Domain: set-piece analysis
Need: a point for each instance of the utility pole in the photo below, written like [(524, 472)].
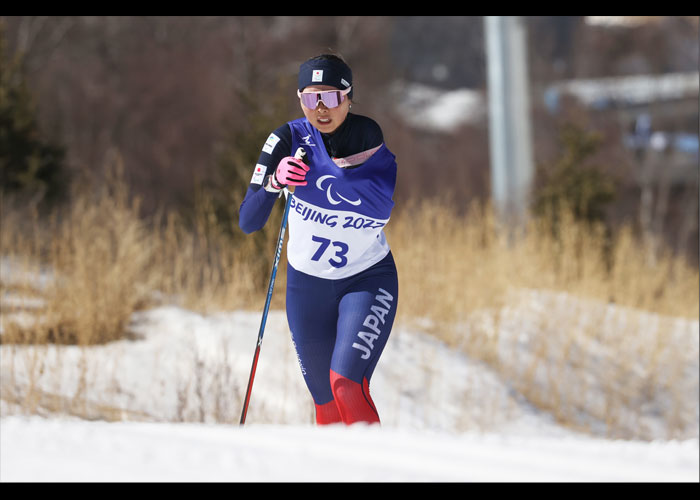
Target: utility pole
[(510, 137)]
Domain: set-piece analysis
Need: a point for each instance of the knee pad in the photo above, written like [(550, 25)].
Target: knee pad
[(353, 400)]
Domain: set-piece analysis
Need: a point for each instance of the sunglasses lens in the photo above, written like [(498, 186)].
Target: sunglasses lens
[(331, 99), (309, 100)]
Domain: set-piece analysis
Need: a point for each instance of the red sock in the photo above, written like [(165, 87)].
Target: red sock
[(353, 400), (327, 414)]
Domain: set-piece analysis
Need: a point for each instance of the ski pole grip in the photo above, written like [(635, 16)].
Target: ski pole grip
[(299, 155)]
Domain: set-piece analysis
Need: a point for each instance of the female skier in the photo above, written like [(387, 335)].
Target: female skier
[(342, 285)]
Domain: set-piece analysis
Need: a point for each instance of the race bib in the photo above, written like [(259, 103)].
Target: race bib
[(333, 244)]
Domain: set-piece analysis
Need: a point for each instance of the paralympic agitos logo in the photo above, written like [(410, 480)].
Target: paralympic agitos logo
[(331, 195)]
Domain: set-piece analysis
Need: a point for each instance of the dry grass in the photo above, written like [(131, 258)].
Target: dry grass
[(202, 268), (539, 309), (462, 277), (450, 266), (92, 266), (95, 260)]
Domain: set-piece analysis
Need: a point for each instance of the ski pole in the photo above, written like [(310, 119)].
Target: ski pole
[(300, 154)]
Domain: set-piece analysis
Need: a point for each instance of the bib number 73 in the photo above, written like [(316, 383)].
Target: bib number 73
[(339, 259)]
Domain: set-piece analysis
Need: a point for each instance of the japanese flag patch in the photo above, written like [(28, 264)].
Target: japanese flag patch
[(258, 174), (317, 75)]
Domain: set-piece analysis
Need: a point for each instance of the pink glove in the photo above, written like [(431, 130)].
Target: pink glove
[(290, 172)]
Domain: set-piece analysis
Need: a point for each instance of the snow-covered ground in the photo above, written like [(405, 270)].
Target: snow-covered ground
[(165, 407), (71, 450)]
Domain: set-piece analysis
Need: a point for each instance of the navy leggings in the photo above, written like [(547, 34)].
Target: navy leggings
[(340, 327)]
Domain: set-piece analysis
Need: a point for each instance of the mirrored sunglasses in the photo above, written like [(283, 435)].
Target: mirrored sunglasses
[(330, 98)]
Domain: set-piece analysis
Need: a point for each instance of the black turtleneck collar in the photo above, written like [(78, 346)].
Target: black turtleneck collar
[(337, 142)]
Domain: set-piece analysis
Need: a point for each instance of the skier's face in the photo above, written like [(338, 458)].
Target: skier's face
[(325, 119)]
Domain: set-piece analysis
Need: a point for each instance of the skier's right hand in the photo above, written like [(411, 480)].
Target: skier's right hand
[(291, 172)]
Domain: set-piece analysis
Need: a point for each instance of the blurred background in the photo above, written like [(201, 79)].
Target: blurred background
[(184, 105)]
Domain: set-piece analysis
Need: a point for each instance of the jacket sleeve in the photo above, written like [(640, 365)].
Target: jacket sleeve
[(256, 208), (257, 204)]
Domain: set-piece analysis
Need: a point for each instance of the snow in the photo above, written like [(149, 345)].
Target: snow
[(164, 406), (34, 449), (433, 109)]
